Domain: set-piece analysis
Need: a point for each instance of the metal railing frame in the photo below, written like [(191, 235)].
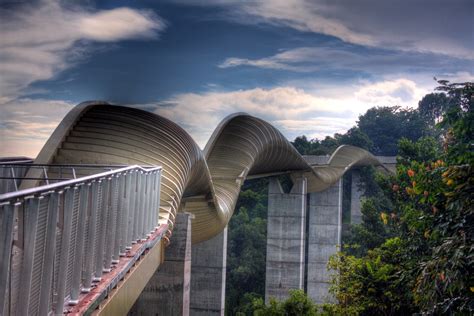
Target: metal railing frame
[(105, 213), (45, 168)]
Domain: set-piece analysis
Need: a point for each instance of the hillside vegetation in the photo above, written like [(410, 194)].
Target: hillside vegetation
[(413, 252)]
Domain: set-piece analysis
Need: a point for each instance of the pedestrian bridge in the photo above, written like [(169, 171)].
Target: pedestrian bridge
[(84, 226)]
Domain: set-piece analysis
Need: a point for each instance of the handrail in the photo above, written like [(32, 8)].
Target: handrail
[(55, 186), (17, 162), (69, 165), (5, 160), (67, 235)]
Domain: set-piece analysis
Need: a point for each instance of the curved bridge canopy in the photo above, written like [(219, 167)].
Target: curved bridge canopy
[(205, 182)]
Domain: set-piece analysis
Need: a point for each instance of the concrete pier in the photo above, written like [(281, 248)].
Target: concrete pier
[(208, 276), (356, 195), (167, 292), (324, 237), (285, 239)]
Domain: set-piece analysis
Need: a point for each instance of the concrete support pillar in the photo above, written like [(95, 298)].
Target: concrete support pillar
[(356, 196), (324, 237), (167, 292), (208, 276), (285, 239)]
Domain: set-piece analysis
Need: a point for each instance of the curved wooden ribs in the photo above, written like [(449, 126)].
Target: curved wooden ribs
[(206, 183)]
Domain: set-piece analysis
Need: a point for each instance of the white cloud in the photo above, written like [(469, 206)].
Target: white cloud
[(303, 59), (26, 124), (294, 111), (38, 41), (334, 58), (304, 16), (460, 76), (402, 25), (398, 92), (316, 127), (119, 24)]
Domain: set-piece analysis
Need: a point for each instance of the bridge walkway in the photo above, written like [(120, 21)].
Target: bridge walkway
[(85, 240)]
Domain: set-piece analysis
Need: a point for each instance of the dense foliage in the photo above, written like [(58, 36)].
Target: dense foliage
[(384, 126), (418, 256), (413, 252), (378, 131), (298, 303), (246, 248)]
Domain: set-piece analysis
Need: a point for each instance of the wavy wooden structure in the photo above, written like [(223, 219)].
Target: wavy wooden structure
[(203, 182)]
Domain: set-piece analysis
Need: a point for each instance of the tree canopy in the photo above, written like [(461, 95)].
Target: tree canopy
[(378, 130), (413, 252)]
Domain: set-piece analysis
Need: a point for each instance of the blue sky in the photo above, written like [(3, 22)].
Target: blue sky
[(308, 67)]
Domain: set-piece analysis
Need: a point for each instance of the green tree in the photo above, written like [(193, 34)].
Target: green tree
[(303, 145), (433, 106), (315, 146), (371, 285), (356, 137), (378, 130), (446, 281), (298, 304), (426, 264), (385, 126), (246, 248), (371, 233), (413, 252)]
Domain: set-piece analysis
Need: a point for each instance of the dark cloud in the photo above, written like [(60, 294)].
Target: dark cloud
[(438, 26)]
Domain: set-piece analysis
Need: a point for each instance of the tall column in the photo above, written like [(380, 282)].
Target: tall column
[(167, 292), (356, 195), (285, 239), (208, 272), (324, 237)]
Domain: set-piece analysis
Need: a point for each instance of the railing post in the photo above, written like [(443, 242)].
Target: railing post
[(136, 211), (14, 178), (111, 225), (104, 210), (127, 199), (142, 207), (157, 195), (49, 253), (6, 240), (146, 210), (119, 232), (30, 220), (67, 210), (45, 175), (92, 232), (77, 270), (153, 202), (131, 209), (140, 193)]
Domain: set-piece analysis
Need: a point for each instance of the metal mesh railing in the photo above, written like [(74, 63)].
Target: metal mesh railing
[(57, 240), (12, 173)]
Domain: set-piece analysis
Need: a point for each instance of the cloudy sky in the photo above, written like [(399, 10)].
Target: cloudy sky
[(307, 66)]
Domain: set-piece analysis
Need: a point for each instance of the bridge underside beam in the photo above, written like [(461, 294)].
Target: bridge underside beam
[(167, 292), (121, 299)]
